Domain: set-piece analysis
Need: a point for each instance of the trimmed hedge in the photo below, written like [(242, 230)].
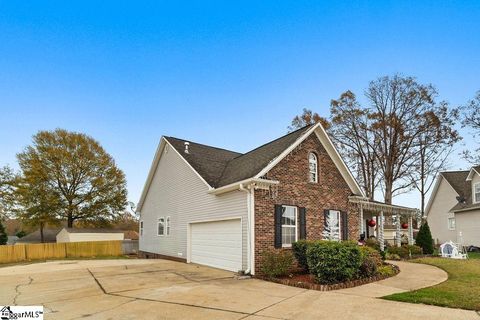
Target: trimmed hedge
[(300, 251), (332, 262)]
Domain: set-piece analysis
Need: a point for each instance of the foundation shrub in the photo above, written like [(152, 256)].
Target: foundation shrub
[(276, 263), (333, 262)]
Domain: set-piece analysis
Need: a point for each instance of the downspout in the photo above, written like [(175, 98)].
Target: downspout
[(252, 229), (249, 211)]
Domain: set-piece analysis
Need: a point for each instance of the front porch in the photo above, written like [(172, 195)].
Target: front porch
[(383, 215)]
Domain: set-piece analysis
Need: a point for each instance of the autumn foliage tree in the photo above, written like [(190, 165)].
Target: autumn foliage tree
[(306, 118), (80, 178), (7, 179)]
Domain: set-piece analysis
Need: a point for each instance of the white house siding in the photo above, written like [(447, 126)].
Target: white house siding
[(468, 223), (65, 236), (438, 215), (78, 237), (178, 192)]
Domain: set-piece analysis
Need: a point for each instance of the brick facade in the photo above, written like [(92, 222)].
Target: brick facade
[(331, 192)]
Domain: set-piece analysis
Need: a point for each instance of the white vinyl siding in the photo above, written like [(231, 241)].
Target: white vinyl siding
[(65, 236), (177, 190), (439, 212)]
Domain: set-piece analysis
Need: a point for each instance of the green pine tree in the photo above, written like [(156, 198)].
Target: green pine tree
[(3, 234), (424, 239)]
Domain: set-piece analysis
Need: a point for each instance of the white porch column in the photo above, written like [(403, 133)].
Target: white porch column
[(361, 220), (398, 235), (381, 239), (410, 230)]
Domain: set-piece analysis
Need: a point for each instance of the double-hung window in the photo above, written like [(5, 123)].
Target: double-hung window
[(451, 223), (161, 226), (476, 190), (289, 225)]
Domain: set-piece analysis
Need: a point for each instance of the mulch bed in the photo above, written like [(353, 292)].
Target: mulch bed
[(306, 281)]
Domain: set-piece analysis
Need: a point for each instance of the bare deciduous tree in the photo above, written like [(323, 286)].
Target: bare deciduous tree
[(435, 144), (470, 115), (352, 135)]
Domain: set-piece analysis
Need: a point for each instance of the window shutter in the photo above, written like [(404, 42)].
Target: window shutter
[(303, 223), (278, 226), (344, 225)]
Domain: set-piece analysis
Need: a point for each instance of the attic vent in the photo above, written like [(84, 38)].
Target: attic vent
[(186, 146)]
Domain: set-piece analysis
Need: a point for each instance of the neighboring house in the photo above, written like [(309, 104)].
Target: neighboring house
[(224, 209), (49, 235), (130, 235), (12, 239), (453, 210), (80, 235)]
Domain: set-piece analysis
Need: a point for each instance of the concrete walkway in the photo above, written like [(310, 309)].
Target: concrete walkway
[(160, 289)]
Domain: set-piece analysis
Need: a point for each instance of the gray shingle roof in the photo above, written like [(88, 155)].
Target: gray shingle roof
[(49, 235), (220, 167), (457, 179)]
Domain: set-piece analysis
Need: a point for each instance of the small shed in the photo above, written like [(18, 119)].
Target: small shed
[(80, 235)]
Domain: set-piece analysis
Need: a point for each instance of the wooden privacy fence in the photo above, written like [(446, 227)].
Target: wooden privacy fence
[(41, 251)]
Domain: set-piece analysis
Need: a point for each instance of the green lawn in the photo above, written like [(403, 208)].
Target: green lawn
[(461, 290)]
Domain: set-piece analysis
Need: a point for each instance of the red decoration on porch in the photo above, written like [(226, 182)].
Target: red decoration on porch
[(371, 223), (404, 225)]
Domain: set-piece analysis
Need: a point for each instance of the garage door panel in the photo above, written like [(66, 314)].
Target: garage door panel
[(217, 244)]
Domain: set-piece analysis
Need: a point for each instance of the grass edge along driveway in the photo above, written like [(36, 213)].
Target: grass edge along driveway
[(461, 290)]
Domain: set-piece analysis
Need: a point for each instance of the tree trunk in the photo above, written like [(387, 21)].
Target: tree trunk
[(70, 221), (42, 239), (388, 191)]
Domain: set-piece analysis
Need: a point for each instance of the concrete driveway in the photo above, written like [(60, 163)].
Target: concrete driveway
[(161, 289)]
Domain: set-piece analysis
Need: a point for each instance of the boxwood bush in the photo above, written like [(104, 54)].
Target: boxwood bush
[(332, 262), (300, 251)]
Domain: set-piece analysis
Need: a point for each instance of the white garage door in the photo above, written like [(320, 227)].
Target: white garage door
[(217, 244)]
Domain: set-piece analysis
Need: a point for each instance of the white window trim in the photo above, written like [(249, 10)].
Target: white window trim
[(454, 223), (475, 200), (286, 245), (158, 222), (167, 226), (316, 168), (141, 227)]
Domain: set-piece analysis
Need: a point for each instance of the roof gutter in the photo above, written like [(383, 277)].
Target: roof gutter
[(236, 185)]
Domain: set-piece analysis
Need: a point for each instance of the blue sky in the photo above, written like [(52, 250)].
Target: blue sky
[(230, 74)]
